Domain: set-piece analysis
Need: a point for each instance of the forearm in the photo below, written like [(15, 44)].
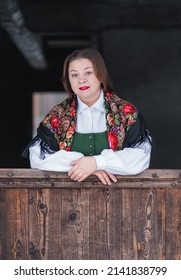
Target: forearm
[(129, 161), (59, 161)]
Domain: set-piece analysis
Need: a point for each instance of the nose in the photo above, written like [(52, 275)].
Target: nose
[(82, 80)]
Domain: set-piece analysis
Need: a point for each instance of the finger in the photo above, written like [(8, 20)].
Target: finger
[(106, 178), (113, 177), (72, 170), (76, 176), (101, 178), (74, 162), (79, 177), (83, 177), (73, 173)]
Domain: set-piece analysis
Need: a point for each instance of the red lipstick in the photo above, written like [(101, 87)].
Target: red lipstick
[(84, 88)]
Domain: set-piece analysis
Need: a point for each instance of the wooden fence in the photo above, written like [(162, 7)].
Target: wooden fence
[(45, 215)]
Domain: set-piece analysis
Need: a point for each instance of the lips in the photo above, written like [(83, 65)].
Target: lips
[(84, 88)]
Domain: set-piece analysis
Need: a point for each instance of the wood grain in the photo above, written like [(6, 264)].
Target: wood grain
[(45, 215)]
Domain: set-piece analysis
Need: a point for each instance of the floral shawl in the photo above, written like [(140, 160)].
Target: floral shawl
[(125, 126)]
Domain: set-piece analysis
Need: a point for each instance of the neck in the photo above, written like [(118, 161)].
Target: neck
[(89, 102)]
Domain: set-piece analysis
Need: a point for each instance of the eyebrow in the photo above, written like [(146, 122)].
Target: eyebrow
[(84, 69)]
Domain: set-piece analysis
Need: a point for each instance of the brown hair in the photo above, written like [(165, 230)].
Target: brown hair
[(99, 67)]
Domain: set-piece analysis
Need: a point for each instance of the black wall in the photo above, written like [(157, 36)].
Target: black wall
[(16, 85), (145, 64)]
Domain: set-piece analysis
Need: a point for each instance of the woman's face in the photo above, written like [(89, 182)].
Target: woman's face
[(83, 80)]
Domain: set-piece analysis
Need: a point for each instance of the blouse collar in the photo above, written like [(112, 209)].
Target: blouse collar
[(99, 104)]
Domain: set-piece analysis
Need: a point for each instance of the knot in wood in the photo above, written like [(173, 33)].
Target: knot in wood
[(34, 252), (10, 174), (174, 184), (75, 215), (18, 250), (139, 247), (31, 200), (179, 229), (154, 175), (43, 208)]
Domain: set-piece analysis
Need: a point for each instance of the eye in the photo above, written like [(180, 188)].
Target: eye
[(74, 75), (88, 73)]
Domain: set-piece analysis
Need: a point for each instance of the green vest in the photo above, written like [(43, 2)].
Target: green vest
[(90, 144)]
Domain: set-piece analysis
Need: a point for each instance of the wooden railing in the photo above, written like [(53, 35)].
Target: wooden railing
[(45, 215)]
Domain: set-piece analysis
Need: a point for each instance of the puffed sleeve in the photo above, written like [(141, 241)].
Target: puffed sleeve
[(135, 156)]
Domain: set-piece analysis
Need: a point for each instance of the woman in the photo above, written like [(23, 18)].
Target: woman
[(93, 131)]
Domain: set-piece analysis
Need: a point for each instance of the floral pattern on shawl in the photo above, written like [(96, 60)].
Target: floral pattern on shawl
[(120, 116)]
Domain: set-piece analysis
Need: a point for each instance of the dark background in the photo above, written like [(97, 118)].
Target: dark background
[(139, 40)]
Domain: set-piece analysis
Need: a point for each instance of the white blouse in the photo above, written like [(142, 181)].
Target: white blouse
[(129, 161)]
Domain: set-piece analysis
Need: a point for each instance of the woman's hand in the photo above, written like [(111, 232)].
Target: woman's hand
[(85, 166), (82, 168), (105, 177)]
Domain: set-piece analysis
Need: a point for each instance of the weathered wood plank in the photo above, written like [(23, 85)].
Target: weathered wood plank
[(173, 224), (11, 178), (38, 223), (23, 226), (158, 226), (11, 223), (54, 236), (25, 173), (3, 221), (142, 221), (14, 224), (127, 225), (114, 223), (75, 224), (98, 231)]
